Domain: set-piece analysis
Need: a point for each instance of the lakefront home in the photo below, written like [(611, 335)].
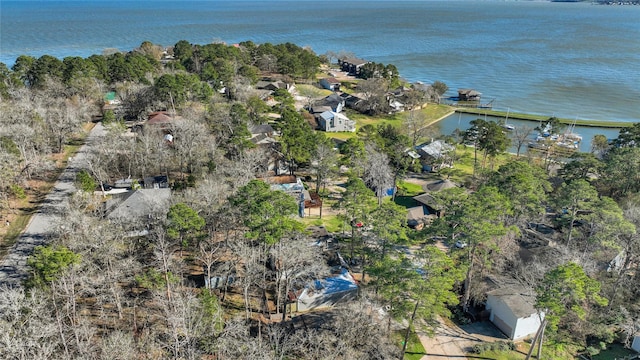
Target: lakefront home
[(351, 65)]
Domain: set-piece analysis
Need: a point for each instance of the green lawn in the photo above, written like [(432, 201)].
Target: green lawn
[(409, 189), (415, 350), (432, 113), (613, 351), (500, 355), (302, 88), (531, 117), (522, 348), (330, 222)]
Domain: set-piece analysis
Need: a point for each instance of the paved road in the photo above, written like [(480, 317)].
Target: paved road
[(13, 267)]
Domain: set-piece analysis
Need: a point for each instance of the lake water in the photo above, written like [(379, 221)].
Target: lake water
[(461, 121), (563, 59)]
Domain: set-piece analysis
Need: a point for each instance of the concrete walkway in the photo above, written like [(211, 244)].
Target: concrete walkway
[(13, 267), (453, 342)]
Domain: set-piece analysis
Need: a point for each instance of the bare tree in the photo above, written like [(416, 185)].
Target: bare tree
[(415, 126), (374, 92), (209, 254), (377, 173), (118, 345), (295, 261), (520, 136), (27, 327)]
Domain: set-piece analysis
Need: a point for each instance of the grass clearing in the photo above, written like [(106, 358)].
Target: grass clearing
[(549, 351), (613, 351), (331, 222), (414, 350), (532, 117), (432, 113), (409, 189)]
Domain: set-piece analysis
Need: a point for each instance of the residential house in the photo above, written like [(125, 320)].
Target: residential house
[(160, 118), (468, 95), (351, 101), (135, 205), (351, 66), (333, 102), (292, 186), (156, 182), (440, 185), (395, 105), (262, 134), (636, 343), (274, 85), (435, 155), (330, 83), (331, 121), (419, 216), (430, 204), (325, 292), (512, 311)]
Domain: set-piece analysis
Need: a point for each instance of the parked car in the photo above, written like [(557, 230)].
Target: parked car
[(461, 244)]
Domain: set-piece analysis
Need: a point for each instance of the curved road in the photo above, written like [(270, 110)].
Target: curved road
[(13, 267)]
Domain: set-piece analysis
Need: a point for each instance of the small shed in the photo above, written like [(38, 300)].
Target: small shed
[(512, 311)]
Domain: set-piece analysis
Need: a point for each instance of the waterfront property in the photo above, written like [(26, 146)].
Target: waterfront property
[(351, 66), (468, 95)]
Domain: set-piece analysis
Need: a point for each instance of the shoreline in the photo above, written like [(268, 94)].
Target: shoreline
[(538, 118)]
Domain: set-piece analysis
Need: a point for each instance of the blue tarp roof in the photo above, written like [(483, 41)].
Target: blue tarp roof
[(336, 284)]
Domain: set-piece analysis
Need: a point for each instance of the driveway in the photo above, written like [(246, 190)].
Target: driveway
[(13, 267), (454, 342)]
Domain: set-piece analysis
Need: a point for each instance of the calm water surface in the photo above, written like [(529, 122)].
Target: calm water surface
[(564, 59)]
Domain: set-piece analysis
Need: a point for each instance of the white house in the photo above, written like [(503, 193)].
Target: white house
[(636, 343), (330, 84), (331, 121), (512, 311)]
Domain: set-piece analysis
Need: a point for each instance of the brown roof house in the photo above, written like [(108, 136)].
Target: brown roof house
[(512, 311)]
